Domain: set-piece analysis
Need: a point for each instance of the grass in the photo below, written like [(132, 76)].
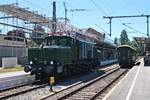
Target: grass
[(13, 69)]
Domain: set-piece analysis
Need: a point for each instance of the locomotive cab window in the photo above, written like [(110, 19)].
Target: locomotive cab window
[(64, 42), (53, 41)]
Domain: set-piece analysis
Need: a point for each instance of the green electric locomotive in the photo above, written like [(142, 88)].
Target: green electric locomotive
[(126, 56), (61, 56)]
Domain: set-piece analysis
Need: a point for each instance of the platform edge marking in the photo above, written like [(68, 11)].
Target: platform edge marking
[(133, 83)]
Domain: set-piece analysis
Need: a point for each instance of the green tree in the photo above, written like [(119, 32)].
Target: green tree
[(135, 45), (124, 40), (116, 41)]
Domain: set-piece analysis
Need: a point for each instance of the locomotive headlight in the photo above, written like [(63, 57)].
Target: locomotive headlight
[(51, 62), (31, 62)]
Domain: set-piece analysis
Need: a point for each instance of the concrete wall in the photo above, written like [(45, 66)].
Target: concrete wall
[(9, 62)]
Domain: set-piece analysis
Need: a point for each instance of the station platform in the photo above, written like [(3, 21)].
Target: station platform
[(11, 74), (134, 86), (11, 79)]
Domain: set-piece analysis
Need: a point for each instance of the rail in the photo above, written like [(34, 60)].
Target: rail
[(79, 87)]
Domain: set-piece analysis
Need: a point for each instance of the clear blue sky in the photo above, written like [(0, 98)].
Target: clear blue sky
[(93, 17)]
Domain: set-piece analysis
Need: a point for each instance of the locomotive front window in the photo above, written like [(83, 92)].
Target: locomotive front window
[(63, 42), (58, 42), (53, 42)]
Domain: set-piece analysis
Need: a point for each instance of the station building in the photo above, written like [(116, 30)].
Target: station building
[(13, 49), (144, 44)]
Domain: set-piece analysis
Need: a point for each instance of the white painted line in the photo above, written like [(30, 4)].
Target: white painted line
[(130, 91)]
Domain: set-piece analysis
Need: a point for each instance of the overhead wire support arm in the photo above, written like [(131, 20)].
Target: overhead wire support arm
[(72, 10), (125, 16), (130, 16)]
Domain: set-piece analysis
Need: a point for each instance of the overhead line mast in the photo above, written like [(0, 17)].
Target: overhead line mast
[(54, 17), (111, 17)]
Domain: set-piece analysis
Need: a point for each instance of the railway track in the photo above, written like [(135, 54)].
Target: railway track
[(17, 86), (83, 90), (40, 91), (93, 89), (7, 93)]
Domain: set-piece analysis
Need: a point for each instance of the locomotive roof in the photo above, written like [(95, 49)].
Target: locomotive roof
[(66, 36), (125, 46)]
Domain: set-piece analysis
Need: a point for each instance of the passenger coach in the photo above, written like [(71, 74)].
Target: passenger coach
[(126, 56)]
